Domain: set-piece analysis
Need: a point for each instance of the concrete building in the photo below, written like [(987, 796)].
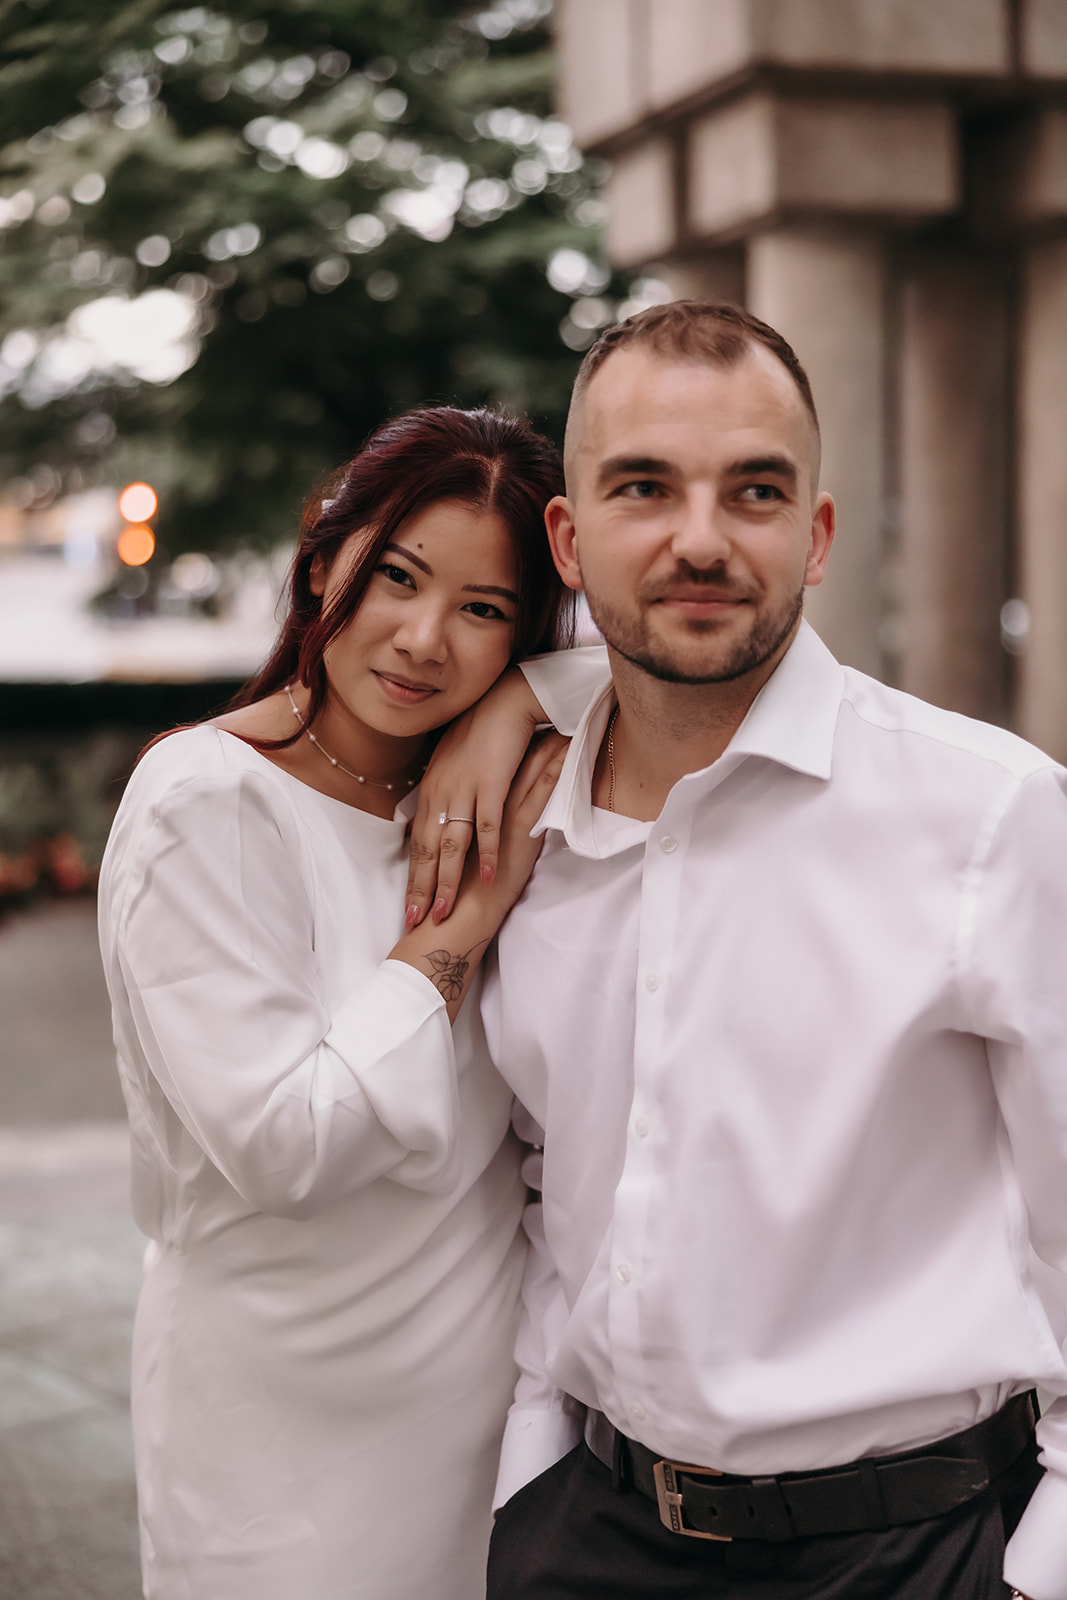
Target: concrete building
[(886, 182)]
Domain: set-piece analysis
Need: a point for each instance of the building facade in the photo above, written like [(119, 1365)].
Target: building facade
[(886, 182)]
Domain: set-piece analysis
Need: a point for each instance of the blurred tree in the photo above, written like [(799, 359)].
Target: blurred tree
[(234, 237)]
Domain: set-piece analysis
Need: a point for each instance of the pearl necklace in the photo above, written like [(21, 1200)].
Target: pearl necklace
[(375, 783)]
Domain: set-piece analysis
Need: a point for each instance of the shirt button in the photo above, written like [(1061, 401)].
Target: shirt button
[(637, 1411), (623, 1272), (668, 844), (652, 982), (641, 1127)]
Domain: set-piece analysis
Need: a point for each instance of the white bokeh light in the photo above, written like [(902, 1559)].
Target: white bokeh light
[(320, 158), (572, 272), (429, 212), (151, 338)]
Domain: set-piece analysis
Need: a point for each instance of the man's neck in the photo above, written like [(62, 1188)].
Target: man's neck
[(664, 730)]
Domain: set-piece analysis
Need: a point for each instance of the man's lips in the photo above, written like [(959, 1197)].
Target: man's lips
[(405, 690), (705, 599)]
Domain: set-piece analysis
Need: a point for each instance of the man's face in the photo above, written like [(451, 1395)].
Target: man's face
[(692, 519)]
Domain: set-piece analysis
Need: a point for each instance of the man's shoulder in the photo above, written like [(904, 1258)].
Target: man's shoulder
[(889, 711)]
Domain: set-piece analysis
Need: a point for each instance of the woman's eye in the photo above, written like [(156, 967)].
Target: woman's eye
[(483, 608), (397, 574)]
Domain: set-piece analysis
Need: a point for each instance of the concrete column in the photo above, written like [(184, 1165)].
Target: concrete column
[(714, 275), (825, 293), (954, 346), (642, 225), (1042, 407)]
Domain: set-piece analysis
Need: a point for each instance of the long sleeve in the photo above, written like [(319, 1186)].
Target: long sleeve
[(543, 1422), (209, 938), (1013, 965), (566, 681)]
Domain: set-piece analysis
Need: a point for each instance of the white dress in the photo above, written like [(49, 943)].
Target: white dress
[(323, 1346)]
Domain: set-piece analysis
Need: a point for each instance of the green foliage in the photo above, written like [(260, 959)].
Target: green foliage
[(358, 198)]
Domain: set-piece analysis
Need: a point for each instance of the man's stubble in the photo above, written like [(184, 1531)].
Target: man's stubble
[(631, 638)]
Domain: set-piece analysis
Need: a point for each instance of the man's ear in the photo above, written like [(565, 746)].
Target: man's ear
[(563, 540), (823, 527)]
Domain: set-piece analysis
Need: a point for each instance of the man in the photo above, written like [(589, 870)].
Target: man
[(786, 997)]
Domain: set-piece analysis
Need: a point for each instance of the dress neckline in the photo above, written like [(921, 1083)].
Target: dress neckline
[(402, 815)]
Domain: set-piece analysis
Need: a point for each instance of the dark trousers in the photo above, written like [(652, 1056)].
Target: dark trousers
[(569, 1535)]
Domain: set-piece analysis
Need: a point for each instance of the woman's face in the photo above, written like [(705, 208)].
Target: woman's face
[(434, 629)]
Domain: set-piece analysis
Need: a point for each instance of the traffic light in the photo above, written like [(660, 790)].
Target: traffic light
[(137, 542)]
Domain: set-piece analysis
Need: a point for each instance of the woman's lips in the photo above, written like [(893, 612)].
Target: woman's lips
[(403, 692)]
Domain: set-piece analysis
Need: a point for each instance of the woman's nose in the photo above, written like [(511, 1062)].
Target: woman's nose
[(421, 633)]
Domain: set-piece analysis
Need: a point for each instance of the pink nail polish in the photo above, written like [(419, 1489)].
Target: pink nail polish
[(439, 909), (488, 874), (411, 917)]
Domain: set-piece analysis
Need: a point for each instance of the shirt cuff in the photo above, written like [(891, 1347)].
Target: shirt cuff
[(1035, 1561), (566, 682), (533, 1442), (394, 1035)]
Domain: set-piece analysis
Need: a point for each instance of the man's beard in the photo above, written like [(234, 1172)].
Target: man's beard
[(630, 639)]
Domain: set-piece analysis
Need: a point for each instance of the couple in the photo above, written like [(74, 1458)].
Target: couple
[(782, 1002)]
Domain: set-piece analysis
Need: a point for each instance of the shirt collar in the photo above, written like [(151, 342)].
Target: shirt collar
[(793, 718), (791, 721)]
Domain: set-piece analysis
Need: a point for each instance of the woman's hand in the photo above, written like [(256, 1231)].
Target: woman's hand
[(468, 779), (530, 792), (449, 955)]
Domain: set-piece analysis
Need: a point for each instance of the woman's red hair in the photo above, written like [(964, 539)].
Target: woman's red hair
[(482, 459)]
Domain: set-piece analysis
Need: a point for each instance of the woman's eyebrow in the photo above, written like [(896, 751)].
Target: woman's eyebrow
[(490, 588), (468, 588), (416, 561)]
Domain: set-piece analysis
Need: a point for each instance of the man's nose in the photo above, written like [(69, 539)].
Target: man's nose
[(700, 533)]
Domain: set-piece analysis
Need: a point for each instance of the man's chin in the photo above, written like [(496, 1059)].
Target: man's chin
[(707, 653)]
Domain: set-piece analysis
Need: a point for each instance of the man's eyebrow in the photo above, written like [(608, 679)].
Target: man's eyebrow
[(634, 466), (764, 466)]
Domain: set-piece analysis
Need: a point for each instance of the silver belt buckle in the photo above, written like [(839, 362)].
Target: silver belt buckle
[(669, 1496)]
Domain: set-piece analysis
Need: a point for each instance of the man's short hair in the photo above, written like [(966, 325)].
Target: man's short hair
[(710, 331)]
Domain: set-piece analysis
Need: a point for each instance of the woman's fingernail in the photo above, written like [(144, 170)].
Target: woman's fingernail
[(439, 909), (411, 917), (488, 873)]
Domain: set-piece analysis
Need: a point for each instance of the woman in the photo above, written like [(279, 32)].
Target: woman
[(322, 1352)]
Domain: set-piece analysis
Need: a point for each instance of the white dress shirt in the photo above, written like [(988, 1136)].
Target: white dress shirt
[(798, 1049)]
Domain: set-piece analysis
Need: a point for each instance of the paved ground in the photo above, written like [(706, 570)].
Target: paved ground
[(57, 1063), (69, 1269)]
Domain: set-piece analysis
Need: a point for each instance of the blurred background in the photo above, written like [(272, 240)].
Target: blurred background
[(234, 237)]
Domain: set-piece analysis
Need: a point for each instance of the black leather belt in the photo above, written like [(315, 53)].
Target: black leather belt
[(877, 1492)]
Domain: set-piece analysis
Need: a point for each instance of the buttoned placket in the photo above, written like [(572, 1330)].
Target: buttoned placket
[(661, 917)]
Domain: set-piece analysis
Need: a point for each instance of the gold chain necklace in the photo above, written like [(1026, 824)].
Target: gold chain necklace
[(375, 783), (611, 758)]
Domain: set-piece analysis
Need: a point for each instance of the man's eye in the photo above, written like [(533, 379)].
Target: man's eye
[(642, 489), (762, 492)]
